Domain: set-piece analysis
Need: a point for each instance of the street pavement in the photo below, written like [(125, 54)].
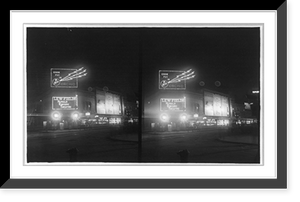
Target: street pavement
[(205, 146), (240, 138), (107, 145)]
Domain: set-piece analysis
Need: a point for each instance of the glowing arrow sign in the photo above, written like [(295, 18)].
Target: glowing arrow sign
[(171, 79), (66, 78)]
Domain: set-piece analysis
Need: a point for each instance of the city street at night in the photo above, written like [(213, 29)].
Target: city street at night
[(143, 94), (110, 145)]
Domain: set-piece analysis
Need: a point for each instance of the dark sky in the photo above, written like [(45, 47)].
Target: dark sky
[(228, 55), (113, 56), (109, 55)]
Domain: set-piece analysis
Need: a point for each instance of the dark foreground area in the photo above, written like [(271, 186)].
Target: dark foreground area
[(112, 145)]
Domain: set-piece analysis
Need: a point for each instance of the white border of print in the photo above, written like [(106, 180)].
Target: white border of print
[(266, 170)]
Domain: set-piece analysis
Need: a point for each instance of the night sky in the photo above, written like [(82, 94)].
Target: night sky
[(228, 55), (114, 56)]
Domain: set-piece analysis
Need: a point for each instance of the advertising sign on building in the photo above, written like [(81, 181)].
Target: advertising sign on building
[(167, 80), (209, 103), (215, 104), (225, 106), (57, 78), (101, 103), (116, 105), (172, 104), (108, 103), (64, 103), (65, 78), (174, 79)]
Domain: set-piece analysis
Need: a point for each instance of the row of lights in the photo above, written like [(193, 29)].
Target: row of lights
[(165, 117), (183, 117), (56, 115)]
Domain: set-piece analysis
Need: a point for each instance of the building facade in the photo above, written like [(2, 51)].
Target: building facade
[(74, 108), (181, 109)]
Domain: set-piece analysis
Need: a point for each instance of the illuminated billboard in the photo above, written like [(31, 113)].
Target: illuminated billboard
[(66, 78), (172, 104), (108, 103), (225, 106), (64, 103), (166, 77), (209, 103), (215, 104), (174, 79)]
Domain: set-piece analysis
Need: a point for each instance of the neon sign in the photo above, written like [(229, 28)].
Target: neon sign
[(64, 103), (172, 104), (171, 79), (66, 78)]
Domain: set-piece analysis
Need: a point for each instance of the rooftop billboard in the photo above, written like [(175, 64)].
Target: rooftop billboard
[(167, 80), (66, 78)]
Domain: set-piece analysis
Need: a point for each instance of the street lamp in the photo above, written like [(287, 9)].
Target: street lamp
[(75, 115), (183, 117), (164, 117), (56, 115)]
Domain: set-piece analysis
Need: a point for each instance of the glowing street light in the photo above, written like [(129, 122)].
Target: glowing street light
[(183, 117), (56, 115), (75, 115), (164, 117)]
